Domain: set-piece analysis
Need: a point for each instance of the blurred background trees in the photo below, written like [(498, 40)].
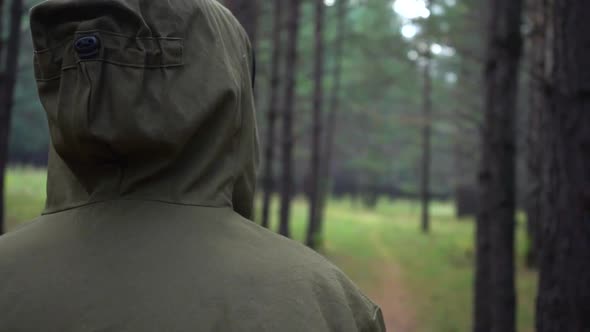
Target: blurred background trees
[(9, 68), (477, 104)]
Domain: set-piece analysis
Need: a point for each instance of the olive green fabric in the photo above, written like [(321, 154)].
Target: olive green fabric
[(151, 181)]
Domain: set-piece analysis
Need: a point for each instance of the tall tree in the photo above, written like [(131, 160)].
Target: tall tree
[(4, 126), (246, 11), (287, 179), (426, 127), (536, 60), (331, 119), (495, 296), (563, 302), (316, 144), (273, 104), (7, 83), (465, 37), (426, 140)]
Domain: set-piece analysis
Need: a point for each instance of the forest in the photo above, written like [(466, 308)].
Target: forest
[(438, 151)]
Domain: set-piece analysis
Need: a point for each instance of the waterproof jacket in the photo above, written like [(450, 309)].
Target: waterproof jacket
[(151, 182)]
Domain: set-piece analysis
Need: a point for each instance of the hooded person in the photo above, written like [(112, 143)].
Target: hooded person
[(150, 186)]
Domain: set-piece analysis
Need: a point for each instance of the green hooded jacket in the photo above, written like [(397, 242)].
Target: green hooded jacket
[(150, 186)]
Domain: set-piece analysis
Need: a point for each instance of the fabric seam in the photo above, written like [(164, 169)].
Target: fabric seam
[(69, 40), (114, 63), (132, 200)]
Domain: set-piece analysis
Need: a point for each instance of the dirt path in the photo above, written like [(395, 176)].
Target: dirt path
[(394, 300), (391, 295)]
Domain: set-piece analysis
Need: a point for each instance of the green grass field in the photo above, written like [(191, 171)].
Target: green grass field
[(434, 271)]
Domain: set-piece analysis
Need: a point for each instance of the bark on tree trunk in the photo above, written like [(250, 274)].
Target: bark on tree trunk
[(1, 27), (287, 180), (563, 302), (534, 159), (314, 194), (495, 290), (482, 314), (272, 112), (7, 84), (4, 128), (331, 120), (426, 129)]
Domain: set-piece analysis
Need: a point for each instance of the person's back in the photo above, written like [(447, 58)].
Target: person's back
[(150, 184)]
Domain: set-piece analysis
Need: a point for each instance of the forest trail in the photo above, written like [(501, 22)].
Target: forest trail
[(394, 300), (391, 294)]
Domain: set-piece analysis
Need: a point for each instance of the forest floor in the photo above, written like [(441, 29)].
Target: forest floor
[(423, 283), (394, 299)]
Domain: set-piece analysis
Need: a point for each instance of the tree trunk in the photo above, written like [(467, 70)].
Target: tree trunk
[(331, 120), (469, 113), (275, 81), (426, 130), (316, 146), (466, 201), (495, 290), (563, 302), (482, 314), (534, 159), (426, 144), (4, 127), (7, 84), (1, 29), (287, 181), (246, 11)]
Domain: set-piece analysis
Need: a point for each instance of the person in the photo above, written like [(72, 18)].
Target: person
[(151, 183)]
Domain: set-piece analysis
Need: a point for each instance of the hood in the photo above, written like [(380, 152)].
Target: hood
[(146, 100)]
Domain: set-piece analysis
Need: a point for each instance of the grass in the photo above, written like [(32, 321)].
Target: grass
[(436, 269), (25, 194)]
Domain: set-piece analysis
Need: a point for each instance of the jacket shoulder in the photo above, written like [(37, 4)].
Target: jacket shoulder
[(306, 272)]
